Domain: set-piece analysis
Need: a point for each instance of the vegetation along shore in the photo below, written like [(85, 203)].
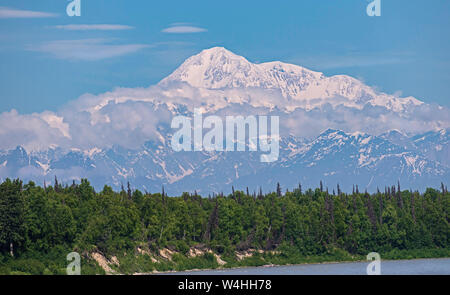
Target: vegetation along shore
[(132, 232)]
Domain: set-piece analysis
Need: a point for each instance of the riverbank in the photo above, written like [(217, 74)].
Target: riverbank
[(427, 266), (166, 261), (269, 260)]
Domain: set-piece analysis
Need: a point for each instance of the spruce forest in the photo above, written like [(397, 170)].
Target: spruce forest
[(136, 232)]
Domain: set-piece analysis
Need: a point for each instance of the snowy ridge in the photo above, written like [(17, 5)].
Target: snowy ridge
[(219, 69), (334, 157)]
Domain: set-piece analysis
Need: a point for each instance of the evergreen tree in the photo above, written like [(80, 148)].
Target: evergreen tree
[(278, 190), (11, 214)]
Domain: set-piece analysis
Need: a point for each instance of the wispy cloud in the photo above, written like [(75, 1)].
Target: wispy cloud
[(6, 12), (87, 49), (96, 27), (349, 60), (183, 28)]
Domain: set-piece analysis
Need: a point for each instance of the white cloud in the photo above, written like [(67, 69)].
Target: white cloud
[(129, 117), (183, 29), (6, 12), (374, 120), (56, 122), (31, 131), (97, 27), (87, 49), (353, 59)]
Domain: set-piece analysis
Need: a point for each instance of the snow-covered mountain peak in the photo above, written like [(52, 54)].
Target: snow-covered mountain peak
[(212, 68), (394, 133), (220, 69), (332, 133), (339, 137)]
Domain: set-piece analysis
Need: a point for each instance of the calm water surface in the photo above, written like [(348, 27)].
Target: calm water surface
[(439, 266)]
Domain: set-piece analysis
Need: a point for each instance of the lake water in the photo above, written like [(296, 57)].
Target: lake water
[(439, 266)]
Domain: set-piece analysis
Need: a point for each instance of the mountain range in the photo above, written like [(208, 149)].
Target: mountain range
[(333, 129)]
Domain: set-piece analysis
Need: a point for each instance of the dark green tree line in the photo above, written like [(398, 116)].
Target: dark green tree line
[(312, 222)]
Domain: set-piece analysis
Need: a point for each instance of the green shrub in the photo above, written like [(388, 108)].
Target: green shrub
[(29, 266)]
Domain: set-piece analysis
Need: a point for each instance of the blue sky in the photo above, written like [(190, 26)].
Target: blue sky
[(48, 58)]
